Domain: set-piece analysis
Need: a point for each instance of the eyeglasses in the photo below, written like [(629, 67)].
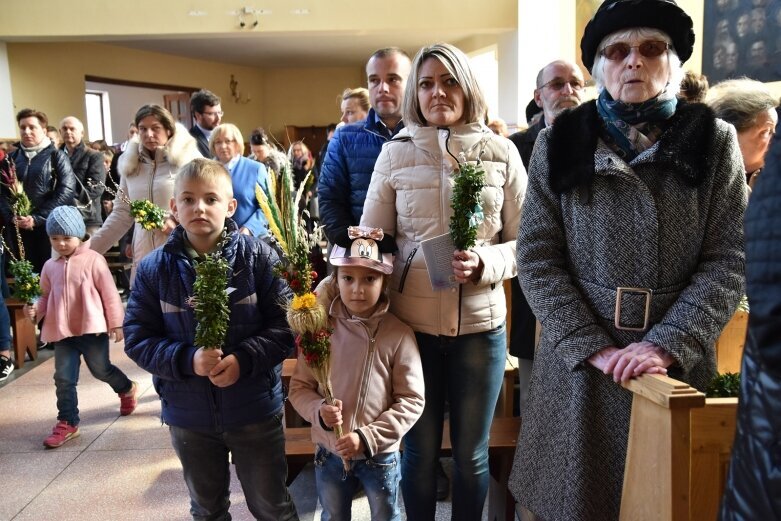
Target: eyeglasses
[(558, 84), (212, 113), (649, 49)]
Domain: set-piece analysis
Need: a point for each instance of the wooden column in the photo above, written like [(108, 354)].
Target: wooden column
[(656, 476)]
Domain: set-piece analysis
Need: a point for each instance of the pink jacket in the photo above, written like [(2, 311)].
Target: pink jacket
[(78, 295), (375, 371)]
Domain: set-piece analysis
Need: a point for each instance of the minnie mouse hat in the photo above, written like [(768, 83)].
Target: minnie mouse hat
[(364, 251)]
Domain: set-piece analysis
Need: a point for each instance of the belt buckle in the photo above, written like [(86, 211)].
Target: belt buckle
[(643, 291)]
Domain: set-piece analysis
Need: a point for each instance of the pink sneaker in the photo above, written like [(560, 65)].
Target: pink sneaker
[(127, 401), (61, 433)]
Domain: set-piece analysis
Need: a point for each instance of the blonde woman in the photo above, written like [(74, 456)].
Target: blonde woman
[(226, 144)]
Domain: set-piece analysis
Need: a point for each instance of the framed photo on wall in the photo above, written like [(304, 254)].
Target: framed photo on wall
[(742, 38)]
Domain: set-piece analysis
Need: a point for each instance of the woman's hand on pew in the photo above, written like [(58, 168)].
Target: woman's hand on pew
[(636, 359)]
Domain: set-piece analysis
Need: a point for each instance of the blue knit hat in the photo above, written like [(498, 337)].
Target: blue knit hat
[(66, 220)]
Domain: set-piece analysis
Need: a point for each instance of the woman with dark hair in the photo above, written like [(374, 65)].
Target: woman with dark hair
[(460, 331), (263, 151), (46, 177), (147, 170), (631, 255)]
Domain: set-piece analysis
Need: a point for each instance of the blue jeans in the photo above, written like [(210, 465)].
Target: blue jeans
[(466, 371), (258, 452), (67, 362), (378, 475)]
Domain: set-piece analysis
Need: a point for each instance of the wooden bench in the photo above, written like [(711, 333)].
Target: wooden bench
[(501, 449), (678, 453), (23, 332)]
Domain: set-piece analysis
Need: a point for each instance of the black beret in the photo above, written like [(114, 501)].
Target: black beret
[(614, 15)]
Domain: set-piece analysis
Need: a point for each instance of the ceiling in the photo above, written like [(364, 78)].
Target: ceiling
[(290, 49)]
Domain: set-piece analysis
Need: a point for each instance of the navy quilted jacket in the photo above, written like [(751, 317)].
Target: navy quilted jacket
[(160, 330), (753, 489), (345, 175)]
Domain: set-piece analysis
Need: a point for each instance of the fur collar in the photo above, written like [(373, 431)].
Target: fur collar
[(684, 148), (180, 150)]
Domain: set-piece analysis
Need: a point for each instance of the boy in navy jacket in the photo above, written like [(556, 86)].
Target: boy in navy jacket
[(227, 399)]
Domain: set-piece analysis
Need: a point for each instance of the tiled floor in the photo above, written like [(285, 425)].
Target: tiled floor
[(119, 468)]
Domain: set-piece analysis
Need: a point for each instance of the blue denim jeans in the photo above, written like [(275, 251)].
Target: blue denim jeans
[(466, 371), (67, 362), (336, 488), (5, 324), (258, 452)]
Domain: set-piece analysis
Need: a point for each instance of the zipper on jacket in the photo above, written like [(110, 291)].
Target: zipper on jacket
[(361, 405), (407, 265), (65, 279)]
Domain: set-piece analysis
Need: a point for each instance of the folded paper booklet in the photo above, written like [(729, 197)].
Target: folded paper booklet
[(438, 253)]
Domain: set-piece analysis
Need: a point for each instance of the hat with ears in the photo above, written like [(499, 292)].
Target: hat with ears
[(615, 15), (67, 221), (364, 250)]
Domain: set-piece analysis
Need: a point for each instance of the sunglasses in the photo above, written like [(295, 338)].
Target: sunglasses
[(649, 49), (558, 84)]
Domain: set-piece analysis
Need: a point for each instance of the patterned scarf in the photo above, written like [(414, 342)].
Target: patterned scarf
[(634, 127)]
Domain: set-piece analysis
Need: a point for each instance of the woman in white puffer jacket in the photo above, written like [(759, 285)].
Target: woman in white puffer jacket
[(147, 170), (460, 332)]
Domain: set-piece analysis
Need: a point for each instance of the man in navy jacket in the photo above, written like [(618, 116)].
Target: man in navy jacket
[(352, 152)]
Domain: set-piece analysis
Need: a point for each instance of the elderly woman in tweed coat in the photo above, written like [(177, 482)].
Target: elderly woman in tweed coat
[(635, 202)]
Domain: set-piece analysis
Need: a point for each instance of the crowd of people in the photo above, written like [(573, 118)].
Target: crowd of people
[(618, 221)]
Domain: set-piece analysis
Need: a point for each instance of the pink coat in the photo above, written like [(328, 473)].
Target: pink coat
[(78, 295)]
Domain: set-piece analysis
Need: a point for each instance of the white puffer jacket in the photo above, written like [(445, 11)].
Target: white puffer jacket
[(409, 198), (144, 177)]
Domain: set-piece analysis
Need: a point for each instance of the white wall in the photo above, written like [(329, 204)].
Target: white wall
[(124, 102), (8, 128)]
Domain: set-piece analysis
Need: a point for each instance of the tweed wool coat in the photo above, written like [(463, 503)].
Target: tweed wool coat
[(669, 221)]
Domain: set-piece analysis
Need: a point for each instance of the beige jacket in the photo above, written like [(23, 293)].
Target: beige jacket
[(409, 198), (144, 177), (375, 372)]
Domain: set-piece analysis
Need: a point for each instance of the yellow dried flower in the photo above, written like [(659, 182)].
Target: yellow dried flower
[(306, 301)]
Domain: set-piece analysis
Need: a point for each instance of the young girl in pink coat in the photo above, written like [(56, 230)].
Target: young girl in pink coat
[(81, 305)]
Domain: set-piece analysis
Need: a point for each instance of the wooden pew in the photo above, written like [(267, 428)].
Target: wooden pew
[(299, 451), (23, 332), (501, 448), (678, 452)]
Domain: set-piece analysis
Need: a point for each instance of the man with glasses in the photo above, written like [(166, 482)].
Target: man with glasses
[(206, 109), (559, 86)]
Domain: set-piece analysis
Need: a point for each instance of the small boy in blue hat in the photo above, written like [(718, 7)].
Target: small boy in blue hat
[(83, 307)]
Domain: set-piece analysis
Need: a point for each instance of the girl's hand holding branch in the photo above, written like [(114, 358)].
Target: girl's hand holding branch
[(349, 446), (331, 414)]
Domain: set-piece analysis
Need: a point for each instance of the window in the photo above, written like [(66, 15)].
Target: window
[(98, 116), (486, 69)]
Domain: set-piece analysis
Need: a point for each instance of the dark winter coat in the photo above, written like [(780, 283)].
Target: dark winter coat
[(160, 333), (90, 179), (525, 140), (753, 489), (202, 140), (346, 173), (669, 221), (47, 179)]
